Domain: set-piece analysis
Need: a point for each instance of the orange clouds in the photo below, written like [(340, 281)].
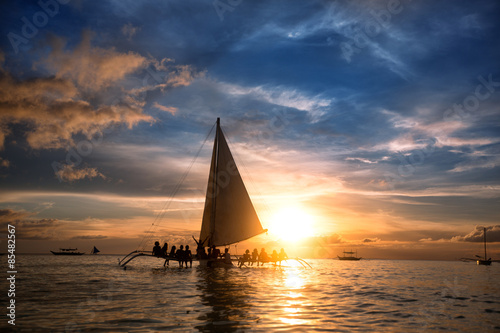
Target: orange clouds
[(91, 68), (69, 173), (181, 76), (54, 112), (89, 90), (85, 95)]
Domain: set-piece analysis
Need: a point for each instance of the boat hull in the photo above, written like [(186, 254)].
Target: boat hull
[(484, 262), (349, 258), (67, 253), (218, 263)]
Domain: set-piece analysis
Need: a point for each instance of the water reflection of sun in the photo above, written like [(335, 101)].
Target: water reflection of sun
[(294, 302), (293, 280)]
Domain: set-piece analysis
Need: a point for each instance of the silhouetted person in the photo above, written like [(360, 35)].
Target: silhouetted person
[(173, 250), (227, 257), (215, 252), (188, 257), (245, 258), (164, 254), (200, 248), (274, 256), (200, 253), (164, 250), (263, 257), (255, 257), (180, 255), (282, 255), (157, 249)]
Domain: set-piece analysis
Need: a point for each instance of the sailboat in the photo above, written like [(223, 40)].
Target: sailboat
[(349, 256), (484, 261), (229, 216), (94, 251)]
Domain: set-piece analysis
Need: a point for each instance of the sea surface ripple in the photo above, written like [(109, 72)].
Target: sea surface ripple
[(93, 294)]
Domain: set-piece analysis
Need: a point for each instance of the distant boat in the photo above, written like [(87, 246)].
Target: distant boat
[(349, 256), (67, 252), (484, 261), (94, 251)]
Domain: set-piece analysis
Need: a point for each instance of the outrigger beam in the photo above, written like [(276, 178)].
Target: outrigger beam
[(134, 254), (130, 257)]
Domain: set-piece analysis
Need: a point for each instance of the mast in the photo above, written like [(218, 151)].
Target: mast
[(214, 190), (484, 236)]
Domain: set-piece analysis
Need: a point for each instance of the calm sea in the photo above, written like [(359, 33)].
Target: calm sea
[(91, 293)]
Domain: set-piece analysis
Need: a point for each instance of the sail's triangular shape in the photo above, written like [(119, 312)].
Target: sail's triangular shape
[(207, 226), (95, 250), (229, 216)]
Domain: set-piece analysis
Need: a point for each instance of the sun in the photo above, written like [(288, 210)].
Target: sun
[(291, 224)]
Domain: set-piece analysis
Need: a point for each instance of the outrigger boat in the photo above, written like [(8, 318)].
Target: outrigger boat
[(67, 252), (229, 216), (350, 256)]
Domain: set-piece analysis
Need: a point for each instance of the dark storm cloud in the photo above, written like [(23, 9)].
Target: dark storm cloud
[(27, 227), (11, 216)]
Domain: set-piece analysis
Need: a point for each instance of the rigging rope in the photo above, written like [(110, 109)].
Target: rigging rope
[(150, 233)]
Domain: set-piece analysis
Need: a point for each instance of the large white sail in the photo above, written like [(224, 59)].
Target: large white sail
[(229, 216)]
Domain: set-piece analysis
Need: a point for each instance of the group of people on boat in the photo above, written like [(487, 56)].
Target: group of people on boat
[(262, 257), (183, 255), (214, 254)]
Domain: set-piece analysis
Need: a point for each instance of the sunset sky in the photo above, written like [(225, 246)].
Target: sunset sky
[(366, 125)]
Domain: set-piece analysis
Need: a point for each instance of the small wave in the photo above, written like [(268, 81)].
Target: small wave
[(365, 305), (129, 321)]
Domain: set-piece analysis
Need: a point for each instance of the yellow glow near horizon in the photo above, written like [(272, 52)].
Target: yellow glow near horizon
[(291, 224)]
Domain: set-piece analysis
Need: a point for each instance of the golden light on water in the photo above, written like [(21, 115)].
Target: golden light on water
[(293, 280), (294, 304), (291, 224)]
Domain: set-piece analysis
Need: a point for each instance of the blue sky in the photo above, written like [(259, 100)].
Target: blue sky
[(380, 118)]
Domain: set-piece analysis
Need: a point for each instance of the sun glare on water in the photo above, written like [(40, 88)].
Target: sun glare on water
[(291, 224)]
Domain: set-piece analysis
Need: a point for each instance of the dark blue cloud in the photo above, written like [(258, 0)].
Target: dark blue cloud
[(278, 75)]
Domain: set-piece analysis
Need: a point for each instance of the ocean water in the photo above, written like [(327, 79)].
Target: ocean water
[(92, 293)]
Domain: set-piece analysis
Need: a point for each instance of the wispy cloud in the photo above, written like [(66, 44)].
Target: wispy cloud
[(69, 173), (129, 30), (316, 106), (170, 109)]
